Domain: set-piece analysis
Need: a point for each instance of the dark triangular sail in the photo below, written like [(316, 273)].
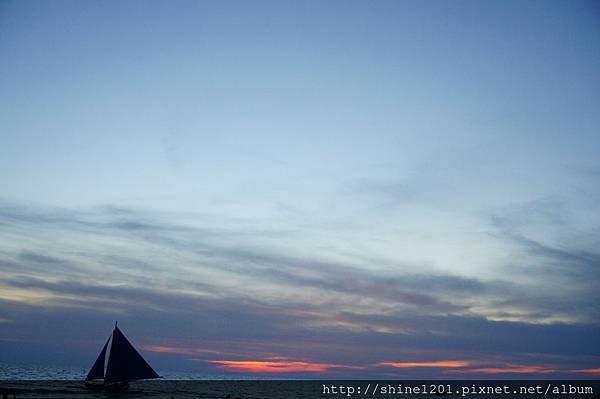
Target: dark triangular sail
[(125, 363), (97, 370)]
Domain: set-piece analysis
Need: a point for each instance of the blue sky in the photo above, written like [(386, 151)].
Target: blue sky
[(240, 181)]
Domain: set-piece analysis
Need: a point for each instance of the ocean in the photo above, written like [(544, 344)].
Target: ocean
[(42, 372), (43, 382), (164, 389), (58, 382), (284, 389)]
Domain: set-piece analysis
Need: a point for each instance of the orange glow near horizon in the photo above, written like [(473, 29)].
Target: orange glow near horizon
[(434, 364), (595, 372), (508, 369), (280, 364), (251, 366)]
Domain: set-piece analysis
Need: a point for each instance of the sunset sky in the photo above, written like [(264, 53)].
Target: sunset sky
[(324, 189)]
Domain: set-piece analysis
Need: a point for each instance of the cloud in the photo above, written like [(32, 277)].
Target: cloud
[(380, 194), (507, 370), (555, 260), (544, 230), (275, 367), (201, 290), (476, 367), (593, 372), (179, 351), (433, 364)]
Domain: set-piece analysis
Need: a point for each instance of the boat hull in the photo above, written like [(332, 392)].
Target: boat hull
[(99, 385), (117, 386), (94, 384)]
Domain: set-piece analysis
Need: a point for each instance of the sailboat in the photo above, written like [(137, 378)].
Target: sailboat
[(124, 364)]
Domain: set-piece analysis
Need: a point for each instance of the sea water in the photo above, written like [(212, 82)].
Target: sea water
[(44, 372)]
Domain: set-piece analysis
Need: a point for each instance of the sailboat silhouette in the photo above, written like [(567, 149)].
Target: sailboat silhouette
[(124, 364)]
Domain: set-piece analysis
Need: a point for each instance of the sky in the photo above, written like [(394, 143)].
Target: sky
[(339, 189)]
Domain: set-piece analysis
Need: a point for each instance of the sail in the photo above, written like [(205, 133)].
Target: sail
[(97, 370), (125, 363)]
